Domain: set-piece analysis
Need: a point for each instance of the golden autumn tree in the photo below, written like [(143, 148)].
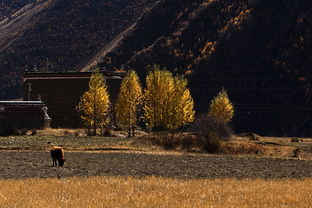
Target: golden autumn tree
[(128, 101), (94, 104), (159, 85), (222, 107), (168, 103), (182, 106)]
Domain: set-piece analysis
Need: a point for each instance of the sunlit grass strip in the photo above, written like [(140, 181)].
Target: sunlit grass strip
[(155, 192)]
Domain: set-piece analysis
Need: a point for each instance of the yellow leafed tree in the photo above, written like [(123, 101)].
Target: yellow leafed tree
[(168, 103), (94, 104), (182, 104), (128, 100), (159, 85), (222, 107)]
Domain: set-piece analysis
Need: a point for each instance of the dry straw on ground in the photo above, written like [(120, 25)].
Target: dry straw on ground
[(155, 192)]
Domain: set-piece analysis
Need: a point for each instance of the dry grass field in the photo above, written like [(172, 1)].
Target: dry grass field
[(116, 171), (155, 192)]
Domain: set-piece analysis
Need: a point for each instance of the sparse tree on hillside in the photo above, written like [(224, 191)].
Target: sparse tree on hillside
[(94, 104), (168, 103), (222, 107), (128, 100)]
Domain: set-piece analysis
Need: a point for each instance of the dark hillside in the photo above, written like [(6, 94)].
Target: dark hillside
[(259, 50), (9, 7), (62, 37)]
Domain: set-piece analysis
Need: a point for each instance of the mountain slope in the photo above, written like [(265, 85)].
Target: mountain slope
[(259, 50), (9, 7), (14, 26), (61, 36)]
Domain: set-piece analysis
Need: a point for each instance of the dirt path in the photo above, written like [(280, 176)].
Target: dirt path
[(104, 51), (38, 164), (12, 29)]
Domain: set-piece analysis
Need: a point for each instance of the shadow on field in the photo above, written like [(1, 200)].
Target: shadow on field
[(83, 164)]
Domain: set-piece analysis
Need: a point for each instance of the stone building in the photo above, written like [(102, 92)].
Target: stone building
[(16, 115)]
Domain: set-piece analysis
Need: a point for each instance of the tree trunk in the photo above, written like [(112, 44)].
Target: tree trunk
[(94, 128), (129, 132), (133, 129)]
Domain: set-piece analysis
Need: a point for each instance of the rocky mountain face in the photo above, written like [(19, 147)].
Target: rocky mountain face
[(57, 35), (260, 51)]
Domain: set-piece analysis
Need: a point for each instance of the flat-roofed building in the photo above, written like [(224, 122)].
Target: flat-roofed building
[(15, 115), (61, 93)]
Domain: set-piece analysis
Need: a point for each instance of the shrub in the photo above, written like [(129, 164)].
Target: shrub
[(170, 141), (106, 132), (295, 140), (209, 143), (297, 152), (210, 130), (13, 131), (250, 136), (242, 148), (20, 132), (67, 132), (187, 141), (77, 133), (167, 141), (207, 125)]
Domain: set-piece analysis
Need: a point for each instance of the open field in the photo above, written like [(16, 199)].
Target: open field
[(122, 172), (29, 157), (26, 164), (155, 192)]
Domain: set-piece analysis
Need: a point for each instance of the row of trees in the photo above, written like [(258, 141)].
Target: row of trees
[(165, 103)]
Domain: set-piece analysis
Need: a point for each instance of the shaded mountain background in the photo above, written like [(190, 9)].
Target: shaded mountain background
[(57, 35), (9, 7), (260, 51)]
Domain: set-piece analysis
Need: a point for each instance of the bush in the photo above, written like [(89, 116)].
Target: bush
[(242, 148), (297, 152), (106, 132), (171, 141), (211, 126), (295, 140), (187, 141), (250, 136), (67, 132), (210, 130), (210, 143), (20, 132), (167, 141), (13, 131)]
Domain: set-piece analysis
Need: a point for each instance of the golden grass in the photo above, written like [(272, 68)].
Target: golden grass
[(237, 147), (62, 132), (155, 192)]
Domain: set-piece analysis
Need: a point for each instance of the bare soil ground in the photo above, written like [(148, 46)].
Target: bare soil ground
[(37, 164), (29, 157)]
